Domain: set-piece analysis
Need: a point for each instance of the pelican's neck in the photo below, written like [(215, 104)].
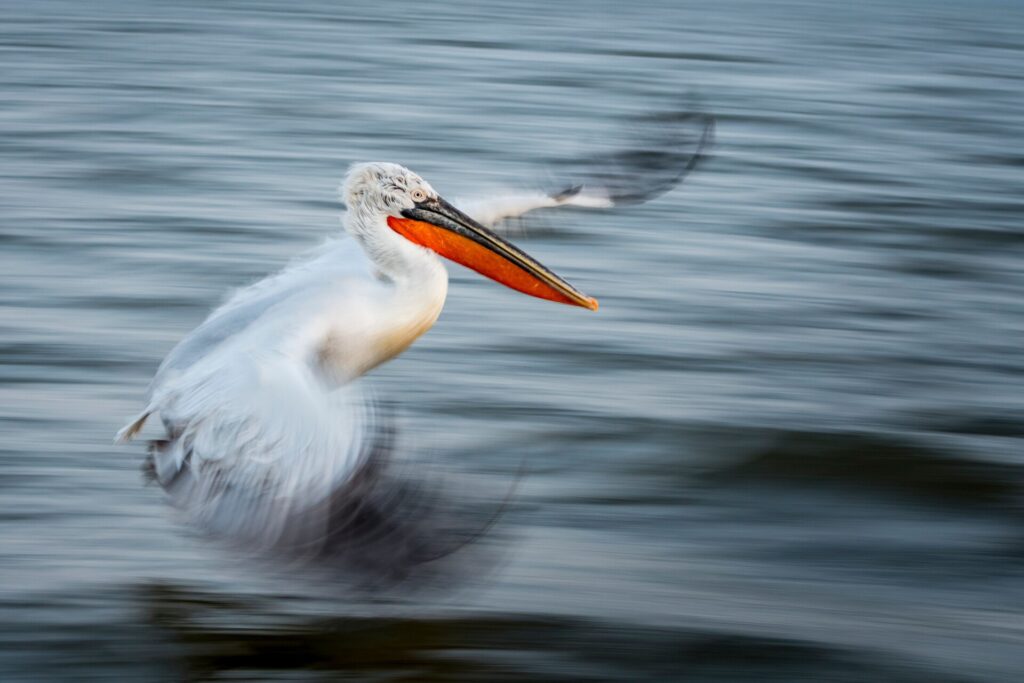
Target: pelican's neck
[(418, 286), (395, 257)]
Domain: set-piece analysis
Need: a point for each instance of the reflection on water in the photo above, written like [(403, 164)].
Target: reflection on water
[(786, 448), (204, 636)]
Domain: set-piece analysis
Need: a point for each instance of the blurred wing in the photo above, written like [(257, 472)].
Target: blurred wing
[(256, 450), (263, 456), (666, 148), (265, 451), (258, 436)]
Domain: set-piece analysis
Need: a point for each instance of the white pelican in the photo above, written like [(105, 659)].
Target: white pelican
[(266, 432)]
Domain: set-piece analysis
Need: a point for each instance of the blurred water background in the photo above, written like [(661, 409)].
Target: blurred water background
[(787, 447)]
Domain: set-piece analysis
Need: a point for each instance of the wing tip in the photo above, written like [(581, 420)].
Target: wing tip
[(129, 431), (665, 148)]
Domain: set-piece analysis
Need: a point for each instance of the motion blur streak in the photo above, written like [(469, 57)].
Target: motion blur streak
[(787, 448)]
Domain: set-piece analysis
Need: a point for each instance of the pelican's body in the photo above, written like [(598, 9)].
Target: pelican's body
[(261, 418), (264, 424), (335, 311)]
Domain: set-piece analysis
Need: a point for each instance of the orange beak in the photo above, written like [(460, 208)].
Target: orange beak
[(439, 226)]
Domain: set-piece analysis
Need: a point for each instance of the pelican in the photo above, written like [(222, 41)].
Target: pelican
[(266, 429)]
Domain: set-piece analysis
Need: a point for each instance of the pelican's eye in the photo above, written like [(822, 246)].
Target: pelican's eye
[(418, 195)]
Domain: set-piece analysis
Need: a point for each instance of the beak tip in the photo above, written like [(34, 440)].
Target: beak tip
[(591, 304)]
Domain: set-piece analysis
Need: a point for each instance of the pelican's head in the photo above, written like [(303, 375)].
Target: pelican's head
[(389, 202)]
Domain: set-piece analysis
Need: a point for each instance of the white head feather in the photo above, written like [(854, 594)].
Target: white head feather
[(372, 192)]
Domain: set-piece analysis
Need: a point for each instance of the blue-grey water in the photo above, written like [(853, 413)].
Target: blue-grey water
[(787, 448)]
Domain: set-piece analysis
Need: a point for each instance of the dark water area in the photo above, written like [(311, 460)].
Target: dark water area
[(787, 448)]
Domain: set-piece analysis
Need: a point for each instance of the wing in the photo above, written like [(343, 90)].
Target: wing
[(266, 450), (282, 301), (261, 456), (665, 149), (258, 314), (258, 437), (256, 450)]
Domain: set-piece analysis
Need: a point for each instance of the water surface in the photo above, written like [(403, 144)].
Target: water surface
[(787, 448)]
